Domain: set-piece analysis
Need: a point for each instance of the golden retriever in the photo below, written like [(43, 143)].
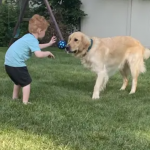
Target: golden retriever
[(107, 55)]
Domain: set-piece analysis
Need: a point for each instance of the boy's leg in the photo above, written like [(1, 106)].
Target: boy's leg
[(26, 93), (16, 91)]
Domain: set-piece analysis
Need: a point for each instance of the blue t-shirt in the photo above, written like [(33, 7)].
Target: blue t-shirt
[(21, 50)]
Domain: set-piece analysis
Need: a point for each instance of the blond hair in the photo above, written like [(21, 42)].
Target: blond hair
[(37, 22)]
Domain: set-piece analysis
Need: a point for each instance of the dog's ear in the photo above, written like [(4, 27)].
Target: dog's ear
[(69, 38), (85, 42)]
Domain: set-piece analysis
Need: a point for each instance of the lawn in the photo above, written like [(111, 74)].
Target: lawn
[(64, 117)]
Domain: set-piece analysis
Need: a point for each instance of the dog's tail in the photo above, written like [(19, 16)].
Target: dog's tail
[(146, 53)]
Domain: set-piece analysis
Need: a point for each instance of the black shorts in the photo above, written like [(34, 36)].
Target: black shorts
[(19, 75)]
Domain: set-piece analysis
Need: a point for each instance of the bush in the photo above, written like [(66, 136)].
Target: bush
[(8, 20), (67, 15)]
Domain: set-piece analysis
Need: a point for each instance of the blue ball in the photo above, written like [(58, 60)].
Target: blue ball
[(62, 44)]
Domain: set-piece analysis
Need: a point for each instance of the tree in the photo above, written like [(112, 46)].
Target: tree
[(66, 12), (7, 22)]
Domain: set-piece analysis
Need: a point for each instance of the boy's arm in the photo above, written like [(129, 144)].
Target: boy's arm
[(52, 41), (41, 54), (44, 45)]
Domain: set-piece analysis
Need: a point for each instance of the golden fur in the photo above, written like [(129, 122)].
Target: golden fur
[(107, 55)]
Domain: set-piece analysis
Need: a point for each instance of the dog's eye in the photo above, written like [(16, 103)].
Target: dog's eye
[(75, 40)]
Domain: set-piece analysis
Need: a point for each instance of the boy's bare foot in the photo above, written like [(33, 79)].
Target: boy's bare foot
[(26, 103), (15, 99)]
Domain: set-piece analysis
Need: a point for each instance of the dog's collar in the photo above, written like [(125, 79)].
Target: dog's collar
[(90, 46)]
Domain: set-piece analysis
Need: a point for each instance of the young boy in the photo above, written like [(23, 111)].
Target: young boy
[(21, 50)]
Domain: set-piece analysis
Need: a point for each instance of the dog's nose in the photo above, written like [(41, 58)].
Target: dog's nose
[(68, 47)]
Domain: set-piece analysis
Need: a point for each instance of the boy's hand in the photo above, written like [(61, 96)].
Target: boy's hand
[(51, 55), (53, 40)]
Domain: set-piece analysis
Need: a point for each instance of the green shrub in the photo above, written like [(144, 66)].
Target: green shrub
[(8, 20)]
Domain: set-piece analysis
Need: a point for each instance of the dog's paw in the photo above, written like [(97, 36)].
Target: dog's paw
[(122, 88), (95, 96), (132, 92)]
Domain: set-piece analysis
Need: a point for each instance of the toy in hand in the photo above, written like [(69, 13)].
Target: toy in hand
[(62, 44)]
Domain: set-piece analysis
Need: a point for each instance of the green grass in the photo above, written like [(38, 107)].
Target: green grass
[(63, 115)]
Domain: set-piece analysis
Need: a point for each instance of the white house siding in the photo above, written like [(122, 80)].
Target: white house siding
[(107, 18), (140, 25)]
